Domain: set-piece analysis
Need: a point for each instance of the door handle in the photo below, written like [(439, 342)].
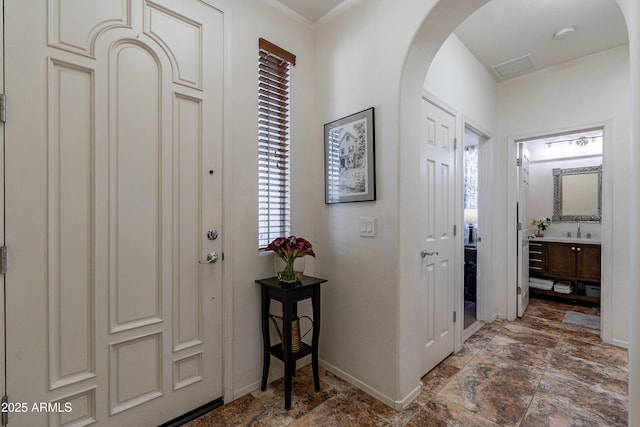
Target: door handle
[(211, 258), (425, 253)]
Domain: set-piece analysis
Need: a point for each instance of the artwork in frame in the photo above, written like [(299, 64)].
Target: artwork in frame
[(350, 159)]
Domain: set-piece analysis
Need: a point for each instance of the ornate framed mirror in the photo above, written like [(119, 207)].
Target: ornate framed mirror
[(577, 194)]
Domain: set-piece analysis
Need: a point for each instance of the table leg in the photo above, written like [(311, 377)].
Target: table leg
[(286, 351), (266, 339), (294, 313), (315, 302)]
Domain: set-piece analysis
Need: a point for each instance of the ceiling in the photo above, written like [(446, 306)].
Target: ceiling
[(311, 10), (504, 30)]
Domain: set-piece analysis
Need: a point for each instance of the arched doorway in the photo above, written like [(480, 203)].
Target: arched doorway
[(442, 20)]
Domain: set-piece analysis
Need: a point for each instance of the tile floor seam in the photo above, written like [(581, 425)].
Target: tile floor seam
[(533, 396)]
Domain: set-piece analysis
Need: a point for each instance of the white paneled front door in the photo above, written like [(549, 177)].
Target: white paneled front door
[(113, 176), (437, 198)]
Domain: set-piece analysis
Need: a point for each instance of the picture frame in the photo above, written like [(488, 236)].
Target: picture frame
[(349, 147)]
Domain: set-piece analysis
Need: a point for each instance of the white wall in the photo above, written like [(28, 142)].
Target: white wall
[(459, 79), (359, 59), (350, 76), (587, 91), (375, 54), (541, 196), (252, 19), (631, 11)]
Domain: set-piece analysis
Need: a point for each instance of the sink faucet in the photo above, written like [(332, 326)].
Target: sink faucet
[(578, 234)]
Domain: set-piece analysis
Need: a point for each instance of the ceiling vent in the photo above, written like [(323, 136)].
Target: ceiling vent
[(514, 66)]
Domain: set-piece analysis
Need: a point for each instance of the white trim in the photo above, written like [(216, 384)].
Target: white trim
[(3, 364), (608, 243), (606, 302), (473, 328), (366, 387), (620, 343), (249, 388), (400, 405), (275, 373), (227, 213), (484, 292), (512, 219)]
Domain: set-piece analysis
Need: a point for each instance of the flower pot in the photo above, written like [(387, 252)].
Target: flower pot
[(288, 270), (539, 233)]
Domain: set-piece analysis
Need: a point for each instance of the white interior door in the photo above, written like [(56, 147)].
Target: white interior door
[(113, 177), (523, 229), (437, 197)]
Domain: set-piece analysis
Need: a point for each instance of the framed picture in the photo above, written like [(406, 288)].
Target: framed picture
[(350, 159)]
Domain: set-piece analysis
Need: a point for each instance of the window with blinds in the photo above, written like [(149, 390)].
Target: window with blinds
[(273, 142)]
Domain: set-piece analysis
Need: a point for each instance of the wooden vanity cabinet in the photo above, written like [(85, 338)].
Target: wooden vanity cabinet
[(588, 264), (561, 259), (566, 261), (573, 261)]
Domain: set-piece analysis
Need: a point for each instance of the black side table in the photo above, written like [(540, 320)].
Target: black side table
[(289, 294)]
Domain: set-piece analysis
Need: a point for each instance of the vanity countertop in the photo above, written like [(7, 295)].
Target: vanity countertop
[(568, 240)]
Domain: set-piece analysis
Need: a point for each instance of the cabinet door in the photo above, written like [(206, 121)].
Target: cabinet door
[(561, 259), (588, 262)]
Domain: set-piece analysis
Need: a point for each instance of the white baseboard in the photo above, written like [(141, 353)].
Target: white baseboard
[(473, 328), (278, 372), (620, 343), (397, 405), (400, 405), (238, 393), (275, 373)]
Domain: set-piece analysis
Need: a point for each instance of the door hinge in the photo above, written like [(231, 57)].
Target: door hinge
[(520, 228), (455, 143), (3, 108), (519, 290), (455, 229), (518, 162), (5, 414), (454, 317), (3, 259)]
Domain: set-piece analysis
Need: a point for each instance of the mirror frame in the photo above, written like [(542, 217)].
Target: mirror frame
[(557, 194)]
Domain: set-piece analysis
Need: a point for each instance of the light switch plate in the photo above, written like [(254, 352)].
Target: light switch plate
[(367, 226)]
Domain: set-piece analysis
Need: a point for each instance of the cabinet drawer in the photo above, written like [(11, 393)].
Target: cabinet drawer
[(537, 258)]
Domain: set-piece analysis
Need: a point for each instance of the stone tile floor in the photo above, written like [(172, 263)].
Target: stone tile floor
[(536, 371)]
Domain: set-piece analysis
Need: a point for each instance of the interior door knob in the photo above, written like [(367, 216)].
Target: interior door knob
[(425, 253), (211, 258)]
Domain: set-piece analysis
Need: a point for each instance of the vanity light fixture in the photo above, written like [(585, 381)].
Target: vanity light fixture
[(564, 33), (580, 142)]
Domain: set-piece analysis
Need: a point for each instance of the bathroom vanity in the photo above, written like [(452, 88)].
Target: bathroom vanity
[(571, 261)]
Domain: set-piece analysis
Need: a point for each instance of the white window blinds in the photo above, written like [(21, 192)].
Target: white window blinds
[(273, 142)]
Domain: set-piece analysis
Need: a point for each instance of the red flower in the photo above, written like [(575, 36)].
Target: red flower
[(291, 247)]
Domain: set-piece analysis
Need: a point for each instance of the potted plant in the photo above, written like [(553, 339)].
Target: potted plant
[(289, 260), (542, 223)]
